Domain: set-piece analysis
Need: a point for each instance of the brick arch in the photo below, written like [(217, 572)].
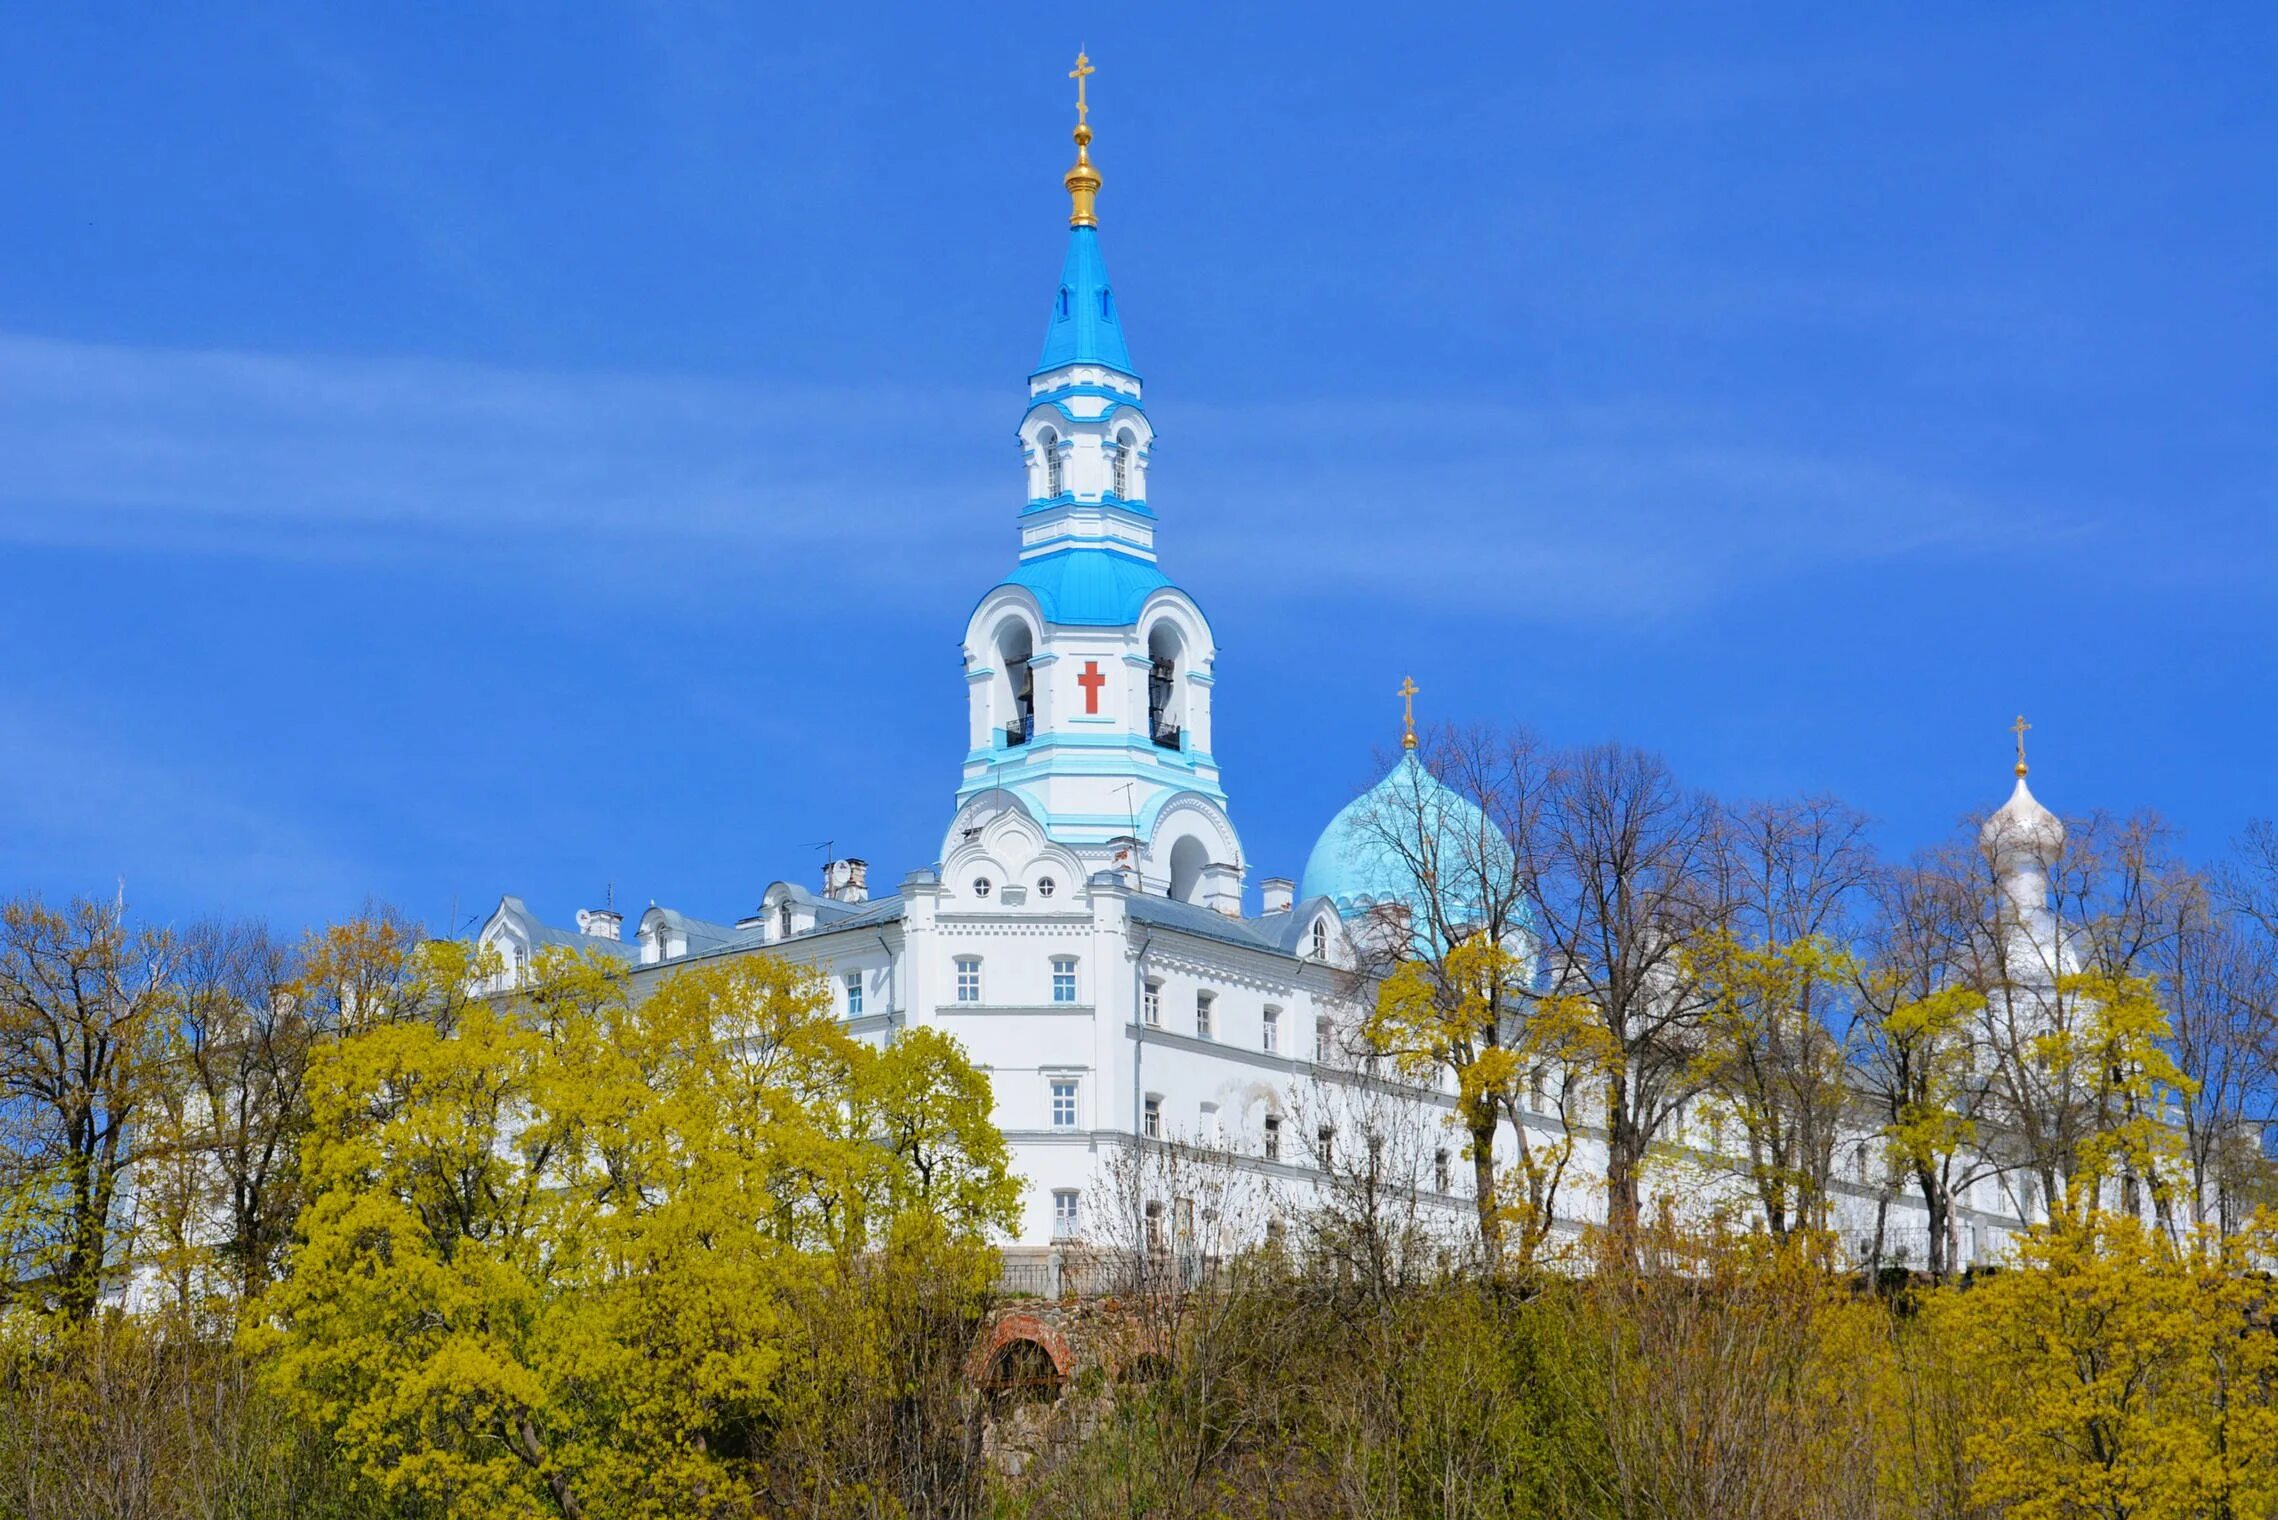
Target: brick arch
[(1008, 1328)]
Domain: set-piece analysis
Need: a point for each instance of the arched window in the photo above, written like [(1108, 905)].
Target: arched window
[(1048, 444), (1125, 446), (1066, 300), (783, 919), (1320, 939)]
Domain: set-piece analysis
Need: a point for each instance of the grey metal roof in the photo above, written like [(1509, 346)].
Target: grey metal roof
[(517, 913), (879, 910), (700, 933), (1279, 933)]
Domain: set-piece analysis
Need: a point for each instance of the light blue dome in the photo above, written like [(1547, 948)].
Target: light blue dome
[(1089, 587), (1356, 868)]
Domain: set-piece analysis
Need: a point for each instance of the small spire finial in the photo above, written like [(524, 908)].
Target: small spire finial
[(2019, 729), (1082, 180), (1407, 696)]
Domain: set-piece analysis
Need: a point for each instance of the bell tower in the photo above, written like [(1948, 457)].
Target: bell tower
[(1088, 673)]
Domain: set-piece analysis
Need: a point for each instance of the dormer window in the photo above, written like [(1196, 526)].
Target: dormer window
[(1107, 303), (783, 919), (1320, 939)]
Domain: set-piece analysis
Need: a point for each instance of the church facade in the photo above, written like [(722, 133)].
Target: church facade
[(1090, 931)]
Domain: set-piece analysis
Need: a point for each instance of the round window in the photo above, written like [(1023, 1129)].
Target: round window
[(980, 886), (1046, 886)]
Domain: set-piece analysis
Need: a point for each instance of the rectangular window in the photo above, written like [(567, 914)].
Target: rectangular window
[(1154, 1225), (1325, 1145), (968, 979), (1204, 1004), (1151, 1119), (1321, 1039), (1151, 1006), (1273, 1137), (1443, 1179), (1273, 1029), (854, 994), (1063, 1102), (1067, 1214), (1064, 979)]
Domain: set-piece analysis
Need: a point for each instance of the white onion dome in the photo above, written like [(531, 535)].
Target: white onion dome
[(1357, 868), (2022, 830)]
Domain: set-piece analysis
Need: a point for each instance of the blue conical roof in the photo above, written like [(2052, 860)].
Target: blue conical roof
[(1086, 328)]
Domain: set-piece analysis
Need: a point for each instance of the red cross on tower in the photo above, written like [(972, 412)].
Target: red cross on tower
[(1091, 681)]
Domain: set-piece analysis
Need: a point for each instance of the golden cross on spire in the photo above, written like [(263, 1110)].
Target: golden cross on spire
[(1082, 180), (1082, 69), (1407, 696), (2018, 728)]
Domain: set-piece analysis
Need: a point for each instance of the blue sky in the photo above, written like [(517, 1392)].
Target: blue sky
[(483, 449)]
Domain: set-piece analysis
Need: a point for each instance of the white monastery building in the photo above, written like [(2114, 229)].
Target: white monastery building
[(1090, 932)]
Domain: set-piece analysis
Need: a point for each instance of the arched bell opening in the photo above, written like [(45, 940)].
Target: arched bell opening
[(1166, 686), (1188, 858), (1015, 682)]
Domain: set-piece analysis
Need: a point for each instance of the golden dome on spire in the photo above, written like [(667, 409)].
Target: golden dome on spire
[(1082, 180)]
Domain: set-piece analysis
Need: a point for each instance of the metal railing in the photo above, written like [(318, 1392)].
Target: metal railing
[(1076, 1271)]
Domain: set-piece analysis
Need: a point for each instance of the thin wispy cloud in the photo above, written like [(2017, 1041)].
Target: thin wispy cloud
[(1577, 513)]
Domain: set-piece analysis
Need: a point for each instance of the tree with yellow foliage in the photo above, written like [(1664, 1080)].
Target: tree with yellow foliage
[(2120, 1376), (1453, 1017), (1770, 1056), (548, 1244)]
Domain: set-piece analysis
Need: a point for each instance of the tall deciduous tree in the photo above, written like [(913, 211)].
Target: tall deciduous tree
[(1777, 1040), (85, 1005), (1454, 955), (1625, 870)]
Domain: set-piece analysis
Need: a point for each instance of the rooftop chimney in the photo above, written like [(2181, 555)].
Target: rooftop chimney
[(1222, 888), (601, 923), (846, 881), (1124, 862), (1280, 894)]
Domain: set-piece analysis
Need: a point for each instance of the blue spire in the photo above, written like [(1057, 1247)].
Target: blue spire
[(1086, 328)]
